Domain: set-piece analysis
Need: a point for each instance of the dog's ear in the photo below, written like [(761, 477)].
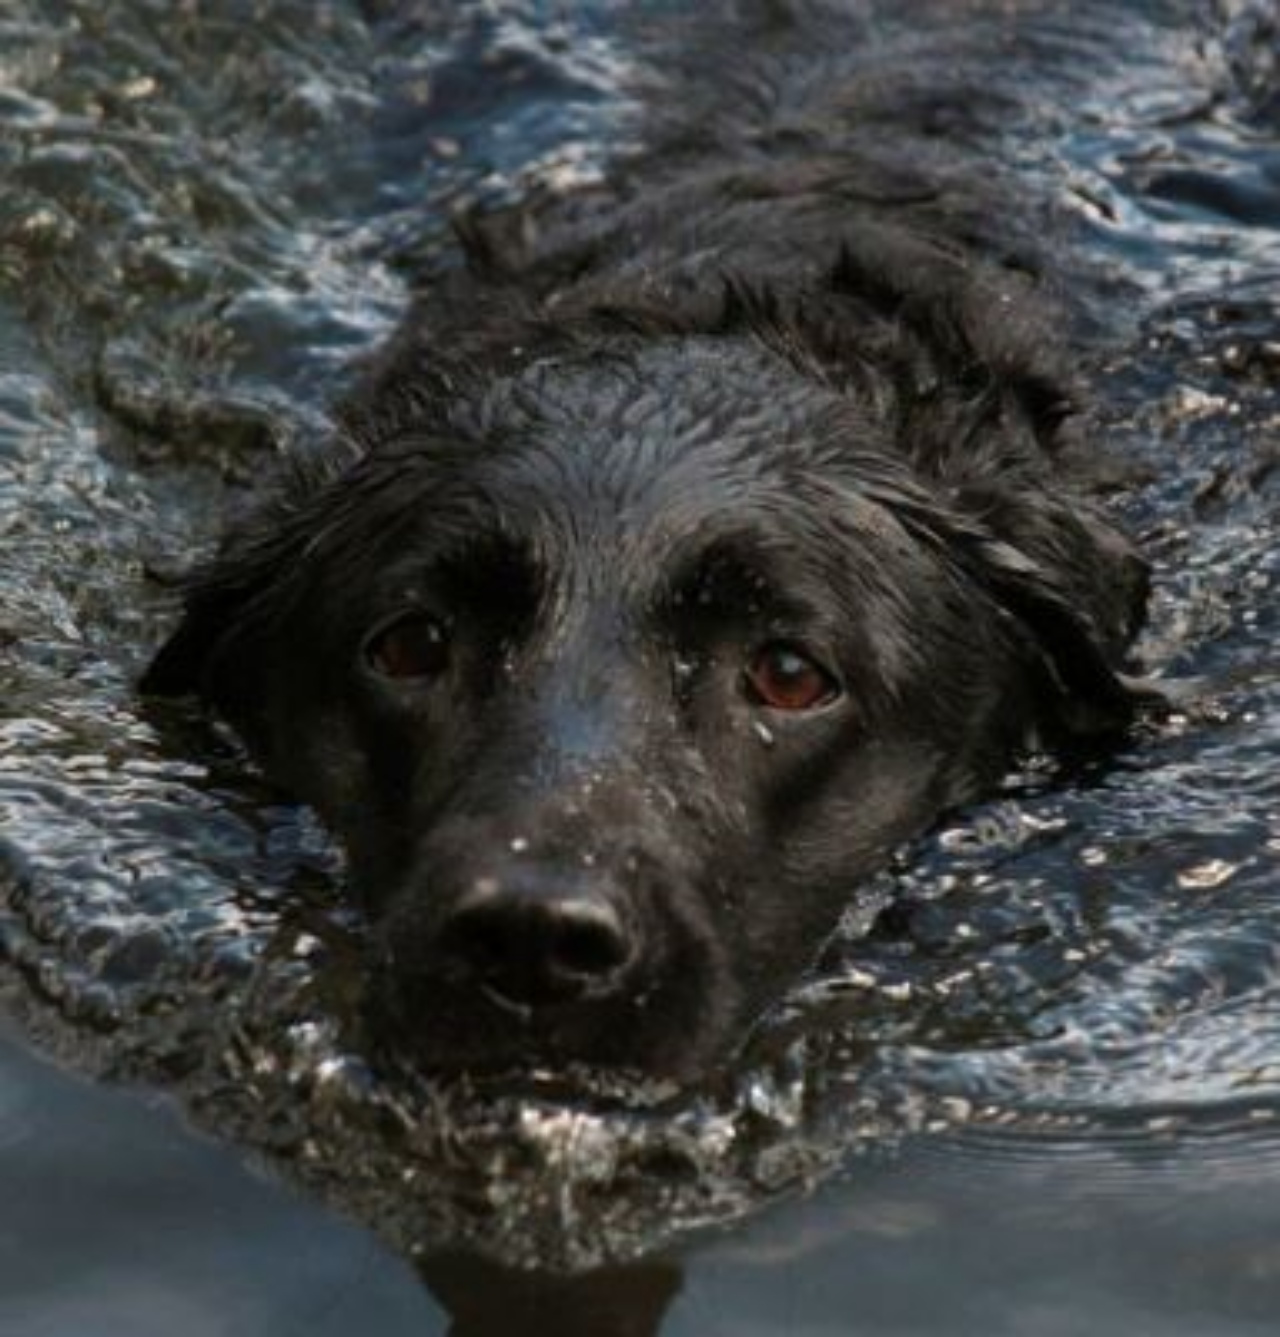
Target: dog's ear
[(991, 429), (1077, 590), (216, 615), (179, 666), (225, 606), (1078, 597), (249, 579), (1069, 585)]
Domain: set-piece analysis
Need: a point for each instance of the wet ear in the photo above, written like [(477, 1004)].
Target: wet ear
[(227, 605), (1078, 645), (246, 583), (1073, 588), (181, 665)]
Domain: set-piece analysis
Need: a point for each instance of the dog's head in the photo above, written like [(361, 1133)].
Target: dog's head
[(617, 660)]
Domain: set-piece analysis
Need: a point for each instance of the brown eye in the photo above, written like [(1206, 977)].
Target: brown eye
[(783, 677), (415, 647)]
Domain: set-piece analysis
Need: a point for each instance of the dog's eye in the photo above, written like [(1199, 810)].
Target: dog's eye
[(783, 677), (416, 646)]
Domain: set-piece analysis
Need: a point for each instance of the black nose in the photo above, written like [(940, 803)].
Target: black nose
[(534, 947)]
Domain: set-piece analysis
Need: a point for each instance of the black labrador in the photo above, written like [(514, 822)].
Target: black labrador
[(697, 539)]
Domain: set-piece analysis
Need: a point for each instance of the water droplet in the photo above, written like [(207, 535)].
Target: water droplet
[(957, 1109), (307, 945), (1205, 876)]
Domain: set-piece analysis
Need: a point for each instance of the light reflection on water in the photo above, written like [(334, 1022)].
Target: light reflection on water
[(189, 260)]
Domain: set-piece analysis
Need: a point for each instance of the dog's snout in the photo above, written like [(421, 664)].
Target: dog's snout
[(533, 946)]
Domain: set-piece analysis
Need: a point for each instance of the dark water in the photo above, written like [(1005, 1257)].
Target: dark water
[(1042, 1097)]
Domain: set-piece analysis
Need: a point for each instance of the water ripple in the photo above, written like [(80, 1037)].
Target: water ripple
[(190, 258)]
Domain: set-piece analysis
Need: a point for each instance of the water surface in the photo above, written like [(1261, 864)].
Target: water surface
[(1038, 1095)]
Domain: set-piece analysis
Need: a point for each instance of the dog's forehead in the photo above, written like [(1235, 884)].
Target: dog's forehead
[(675, 435), (616, 475)]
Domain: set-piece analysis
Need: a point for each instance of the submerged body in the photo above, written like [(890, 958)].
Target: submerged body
[(694, 542)]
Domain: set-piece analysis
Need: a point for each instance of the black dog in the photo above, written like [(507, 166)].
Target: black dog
[(695, 543)]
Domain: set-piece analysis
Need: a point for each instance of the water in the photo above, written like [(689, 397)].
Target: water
[(1059, 1050)]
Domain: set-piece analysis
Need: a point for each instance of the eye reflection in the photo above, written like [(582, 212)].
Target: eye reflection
[(782, 676), (415, 646)]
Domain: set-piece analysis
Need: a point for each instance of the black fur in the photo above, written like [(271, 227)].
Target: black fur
[(793, 378)]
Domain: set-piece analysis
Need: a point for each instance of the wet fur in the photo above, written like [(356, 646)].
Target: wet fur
[(794, 371)]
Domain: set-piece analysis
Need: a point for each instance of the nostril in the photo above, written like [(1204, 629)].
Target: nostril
[(587, 940), (532, 948)]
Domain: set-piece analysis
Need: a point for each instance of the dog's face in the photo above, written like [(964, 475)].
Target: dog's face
[(615, 676)]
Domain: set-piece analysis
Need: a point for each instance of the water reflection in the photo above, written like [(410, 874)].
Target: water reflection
[(484, 1299), (190, 257)]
